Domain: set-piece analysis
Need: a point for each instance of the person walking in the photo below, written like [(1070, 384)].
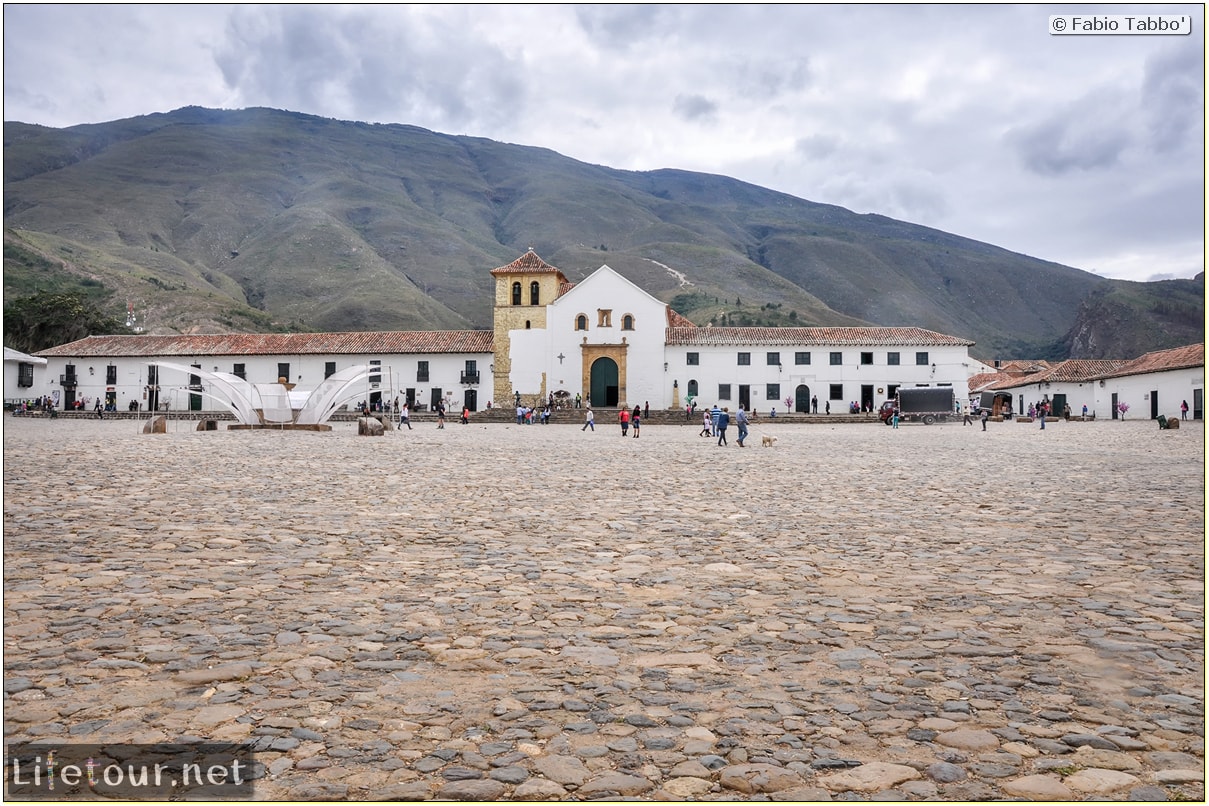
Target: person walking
[(894, 418), (741, 423), (714, 413), (1184, 410), (589, 421), (986, 413), (636, 421), (706, 424), (440, 414), (99, 411), (723, 422), (404, 418), (814, 404), (624, 417), (465, 415)]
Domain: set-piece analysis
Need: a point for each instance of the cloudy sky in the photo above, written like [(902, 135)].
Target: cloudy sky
[(1085, 150)]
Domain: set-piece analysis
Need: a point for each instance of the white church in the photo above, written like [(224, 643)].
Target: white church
[(603, 341)]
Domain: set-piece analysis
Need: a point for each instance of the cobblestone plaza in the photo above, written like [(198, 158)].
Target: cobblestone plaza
[(499, 612)]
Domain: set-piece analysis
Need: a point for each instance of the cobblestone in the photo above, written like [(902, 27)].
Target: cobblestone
[(501, 612)]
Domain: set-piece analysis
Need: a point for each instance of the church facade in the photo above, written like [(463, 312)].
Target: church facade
[(602, 340)]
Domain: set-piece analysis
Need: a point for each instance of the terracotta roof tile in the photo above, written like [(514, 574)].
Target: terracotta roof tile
[(528, 263), (1073, 370), (810, 336), (984, 380), (677, 320), (371, 343), (1192, 355), (1023, 366)]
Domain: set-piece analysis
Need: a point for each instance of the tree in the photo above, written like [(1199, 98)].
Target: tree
[(46, 319)]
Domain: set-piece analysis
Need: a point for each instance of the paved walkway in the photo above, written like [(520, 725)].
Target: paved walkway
[(541, 613)]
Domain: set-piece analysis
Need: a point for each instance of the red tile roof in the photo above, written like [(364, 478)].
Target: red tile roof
[(528, 263), (1187, 357), (677, 320), (984, 380), (1073, 370), (1023, 366), (370, 343), (810, 336)]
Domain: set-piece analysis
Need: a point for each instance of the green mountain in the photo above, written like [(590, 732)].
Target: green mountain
[(260, 219)]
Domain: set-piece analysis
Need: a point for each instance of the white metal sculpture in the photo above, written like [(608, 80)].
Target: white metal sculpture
[(255, 404)]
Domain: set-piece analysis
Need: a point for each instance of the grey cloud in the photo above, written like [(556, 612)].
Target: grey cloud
[(768, 78), (816, 146), (618, 27), (1068, 143), (1173, 98), (369, 66), (694, 107)]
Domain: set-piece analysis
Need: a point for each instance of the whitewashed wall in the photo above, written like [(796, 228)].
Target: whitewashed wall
[(606, 289), (719, 365), (13, 392), (399, 373), (1172, 388), (1135, 390)]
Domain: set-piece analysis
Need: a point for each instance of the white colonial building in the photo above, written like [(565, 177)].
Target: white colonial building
[(24, 376), (1153, 384), (603, 340)]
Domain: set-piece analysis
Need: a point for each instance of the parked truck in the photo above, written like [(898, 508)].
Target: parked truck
[(926, 404)]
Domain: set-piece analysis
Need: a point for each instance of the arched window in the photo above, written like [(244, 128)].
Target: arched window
[(627, 322), (692, 388), (516, 293), (581, 322), (528, 324), (534, 292)]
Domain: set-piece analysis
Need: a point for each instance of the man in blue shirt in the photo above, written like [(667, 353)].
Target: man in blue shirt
[(741, 422), (723, 422)]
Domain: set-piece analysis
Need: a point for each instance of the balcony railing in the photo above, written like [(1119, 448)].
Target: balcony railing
[(470, 377)]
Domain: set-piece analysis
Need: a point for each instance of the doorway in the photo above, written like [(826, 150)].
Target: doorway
[(604, 382), (866, 397), (801, 399)]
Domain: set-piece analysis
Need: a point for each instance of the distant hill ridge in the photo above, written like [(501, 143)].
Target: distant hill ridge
[(261, 220)]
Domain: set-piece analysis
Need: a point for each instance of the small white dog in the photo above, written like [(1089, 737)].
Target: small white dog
[(768, 441)]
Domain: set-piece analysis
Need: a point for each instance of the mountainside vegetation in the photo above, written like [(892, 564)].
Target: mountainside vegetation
[(263, 220)]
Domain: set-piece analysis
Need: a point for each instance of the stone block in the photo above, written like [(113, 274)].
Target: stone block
[(156, 425), (370, 427), (207, 425)]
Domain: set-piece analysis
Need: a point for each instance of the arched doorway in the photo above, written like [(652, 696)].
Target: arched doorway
[(604, 382), (801, 399)]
